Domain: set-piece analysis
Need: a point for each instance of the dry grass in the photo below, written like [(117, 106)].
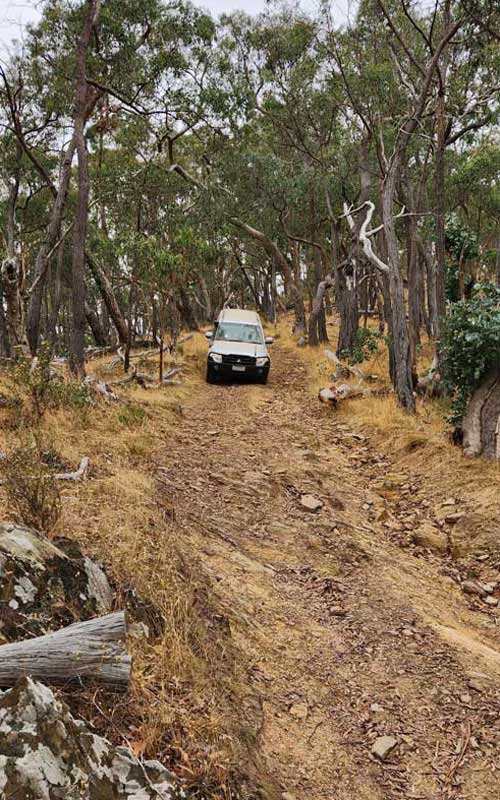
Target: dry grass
[(422, 442), (188, 695)]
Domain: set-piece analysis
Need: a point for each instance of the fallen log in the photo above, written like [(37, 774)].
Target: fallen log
[(74, 476), (101, 388), (95, 649), (334, 394), (120, 355), (170, 374), (142, 378)]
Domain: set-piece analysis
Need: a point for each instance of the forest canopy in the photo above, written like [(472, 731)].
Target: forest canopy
[(158, 163)]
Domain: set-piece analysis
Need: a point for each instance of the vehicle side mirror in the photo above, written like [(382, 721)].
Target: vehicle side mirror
[(209, 334), (269, 339)]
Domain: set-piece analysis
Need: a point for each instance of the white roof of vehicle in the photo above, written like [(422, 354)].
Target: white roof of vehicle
[(239, 315)]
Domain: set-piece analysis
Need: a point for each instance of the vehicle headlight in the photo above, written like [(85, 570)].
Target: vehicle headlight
[(216, 357), (261, 362)]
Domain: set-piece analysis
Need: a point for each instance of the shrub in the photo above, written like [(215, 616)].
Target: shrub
[(31, 487), (37, 386), (366, 344), (470, 345)]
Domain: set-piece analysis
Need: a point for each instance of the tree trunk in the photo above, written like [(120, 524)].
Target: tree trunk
[(11, 268), (187, 311), (347, 304), (403, 381), (441, 123), (430, 270), (414, 294), (94, 322), (94, 649), (108, 295), (318, 308), (11, 281), (77, 348), (56, 305), (4, 333), (53, 232), (440, 269), (297, 294)]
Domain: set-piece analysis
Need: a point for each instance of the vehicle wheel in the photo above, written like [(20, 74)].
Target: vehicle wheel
[(210, 375), (263, 378)]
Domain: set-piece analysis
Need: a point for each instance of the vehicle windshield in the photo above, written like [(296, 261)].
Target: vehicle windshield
[(238, 332)]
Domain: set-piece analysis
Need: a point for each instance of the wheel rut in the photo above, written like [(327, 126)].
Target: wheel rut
[(343, 629)]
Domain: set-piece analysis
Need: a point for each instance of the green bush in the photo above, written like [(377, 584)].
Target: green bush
[(461, 246), (366, 344), (37, 386), (470, 345)]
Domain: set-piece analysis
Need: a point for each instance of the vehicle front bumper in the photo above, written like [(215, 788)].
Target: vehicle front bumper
[(248, 370)]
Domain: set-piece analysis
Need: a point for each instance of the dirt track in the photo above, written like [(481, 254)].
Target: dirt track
[(349, 635)]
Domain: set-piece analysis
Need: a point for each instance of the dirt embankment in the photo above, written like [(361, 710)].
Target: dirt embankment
[(378, 675)]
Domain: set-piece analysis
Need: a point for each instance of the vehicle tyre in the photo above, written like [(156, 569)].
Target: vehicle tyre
[(210, 375), (263, 378)]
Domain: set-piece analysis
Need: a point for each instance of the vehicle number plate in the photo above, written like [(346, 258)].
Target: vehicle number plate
[(238, 368)]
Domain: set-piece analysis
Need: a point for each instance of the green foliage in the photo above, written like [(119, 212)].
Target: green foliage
[(367, 342), (461, 241), (37, 386), (471, 345), (31, 488), (461, 245)]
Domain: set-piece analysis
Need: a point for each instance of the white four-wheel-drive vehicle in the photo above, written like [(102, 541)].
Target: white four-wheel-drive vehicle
[(238, 347)]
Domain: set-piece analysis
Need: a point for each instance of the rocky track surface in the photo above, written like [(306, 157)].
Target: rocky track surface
[(377, 677)]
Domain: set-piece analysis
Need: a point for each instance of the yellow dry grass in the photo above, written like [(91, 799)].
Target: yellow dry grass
[(420, 442), (188, 686)]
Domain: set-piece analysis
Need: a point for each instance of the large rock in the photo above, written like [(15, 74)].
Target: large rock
[(476, 532), (431, 538), (45, 586), (383, 747), (47, 754), (481, 424)]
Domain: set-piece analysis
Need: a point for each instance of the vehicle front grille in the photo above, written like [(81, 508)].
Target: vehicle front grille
[(243, 360)]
